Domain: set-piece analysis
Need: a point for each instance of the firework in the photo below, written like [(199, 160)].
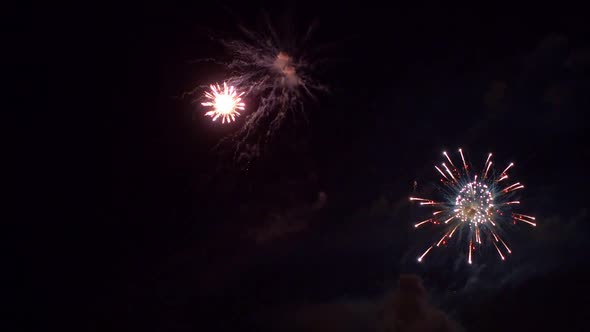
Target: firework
[(476, 203), (279, 78), (276, 74), (225, 102)]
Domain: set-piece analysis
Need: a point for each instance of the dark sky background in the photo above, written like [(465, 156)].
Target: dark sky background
[(167, 234)]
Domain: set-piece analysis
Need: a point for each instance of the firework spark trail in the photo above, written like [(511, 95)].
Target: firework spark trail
[(479, 205), (470, 248), (511, 203), (503, 177), (422, 222), (450, 161), (513, 187), (487, 160), (463, 159), (487, 169), (424, 254), (506, 246), (524, 218), (498, 249), (507, 168), (441, 172), (448, 171)]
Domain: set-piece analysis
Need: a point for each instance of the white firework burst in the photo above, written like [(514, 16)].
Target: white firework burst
[(225, 102), (476, 202)]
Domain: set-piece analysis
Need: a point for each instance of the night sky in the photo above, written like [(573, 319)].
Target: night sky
[(143, 225)]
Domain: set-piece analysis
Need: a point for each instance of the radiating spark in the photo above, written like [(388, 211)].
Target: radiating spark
[(503, 177), (521, 217), (424, 254), (470, 244), (478, 206), (430, 203), (448, 171), (507, 249), (487, 160), (507, 168), (441, 172), (450, 161), (512, 202), (487, 169), (495, 237), (526, 221), (513, 187), (463, 159), (422, 223), (225, 102), (498, 249), (524, 216), (441, 239)]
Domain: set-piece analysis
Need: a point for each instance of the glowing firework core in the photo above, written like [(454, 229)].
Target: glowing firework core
[(225, 103), (475, 203)]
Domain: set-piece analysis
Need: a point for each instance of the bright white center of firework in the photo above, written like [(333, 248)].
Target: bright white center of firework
[(474, 203), (224, 104)]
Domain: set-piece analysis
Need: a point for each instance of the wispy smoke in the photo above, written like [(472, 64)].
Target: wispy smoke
[(404, 308), (290, 221)]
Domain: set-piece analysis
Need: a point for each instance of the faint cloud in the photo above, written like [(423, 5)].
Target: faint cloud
[(547, 50), (550, 245), (402, 308), (495, 96), (320, 201), (548, 80), (578, 59), (382, 206), (557, 95), (278, 226), (408, 309), (288, 222), (337, 316)]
